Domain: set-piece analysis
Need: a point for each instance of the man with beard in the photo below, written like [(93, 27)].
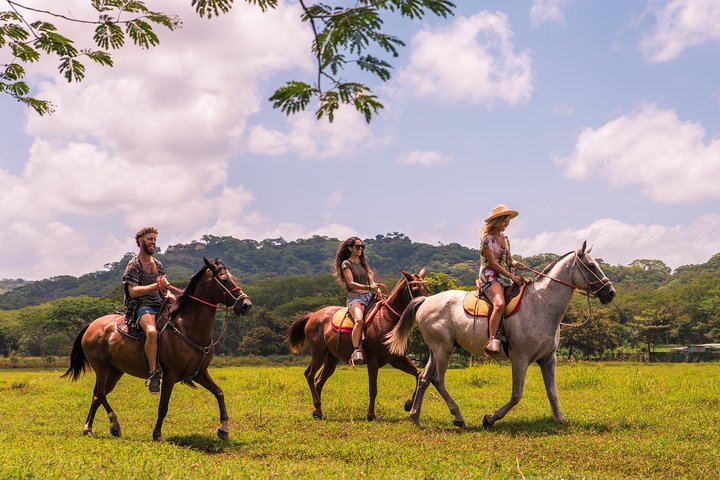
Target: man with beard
[(145, 288)]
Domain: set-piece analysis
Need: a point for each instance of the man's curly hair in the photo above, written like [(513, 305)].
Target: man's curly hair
[(144, 231)]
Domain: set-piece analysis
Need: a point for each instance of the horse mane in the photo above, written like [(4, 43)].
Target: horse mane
[(183, 300), (554, 262)]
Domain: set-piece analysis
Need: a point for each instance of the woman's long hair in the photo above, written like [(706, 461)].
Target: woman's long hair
[(492, 225), (343, 253)]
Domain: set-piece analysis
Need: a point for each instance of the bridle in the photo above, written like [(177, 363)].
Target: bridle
[(587, 273), (206, 349), (408, 286)]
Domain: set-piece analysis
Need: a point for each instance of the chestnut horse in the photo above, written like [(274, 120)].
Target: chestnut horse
[(185, 346), (328, 347)]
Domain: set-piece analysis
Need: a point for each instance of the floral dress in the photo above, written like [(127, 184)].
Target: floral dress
[(487, 274)]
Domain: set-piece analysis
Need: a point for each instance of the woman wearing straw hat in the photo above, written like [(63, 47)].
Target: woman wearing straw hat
[(496, 263)]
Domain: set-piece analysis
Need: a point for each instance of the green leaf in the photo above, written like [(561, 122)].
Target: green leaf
[(13, 72), (98, 56), (377, 67), (52, 42), (72, 69), (170, 22), (15, 32), (141, 33), (293, 97), (24, 52), (109, 35), (42, 107)]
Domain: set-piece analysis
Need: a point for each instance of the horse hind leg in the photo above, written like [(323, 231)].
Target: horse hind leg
[(423, 381), (438, 380), (113, 378), (404, 364), (316, 363)]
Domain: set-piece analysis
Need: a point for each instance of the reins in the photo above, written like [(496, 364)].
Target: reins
[(383, 298), (586, 291), (204, 349)]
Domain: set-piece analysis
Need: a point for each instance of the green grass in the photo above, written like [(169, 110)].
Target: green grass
[(624, 421)]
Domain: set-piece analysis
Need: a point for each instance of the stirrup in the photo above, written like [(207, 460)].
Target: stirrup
[(493, 347), (357, 357)]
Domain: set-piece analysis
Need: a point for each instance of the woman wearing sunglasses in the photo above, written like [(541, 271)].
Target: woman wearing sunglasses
[(353, 272)]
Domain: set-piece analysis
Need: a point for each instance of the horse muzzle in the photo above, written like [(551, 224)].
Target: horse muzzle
[(606, 294), (242, 307)]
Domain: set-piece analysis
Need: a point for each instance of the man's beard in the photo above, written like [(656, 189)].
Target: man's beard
[(148, 249)]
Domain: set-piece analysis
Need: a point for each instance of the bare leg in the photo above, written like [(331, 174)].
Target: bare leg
[(147, 323), (496, 295), (206, 381), (358, 311), (547, 368), (519, 370)]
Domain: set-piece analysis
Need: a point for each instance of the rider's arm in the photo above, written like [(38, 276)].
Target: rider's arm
[(351, 283)]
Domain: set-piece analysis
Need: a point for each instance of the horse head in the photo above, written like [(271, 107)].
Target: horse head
[(417, 286), (588, 276), (232, 295)]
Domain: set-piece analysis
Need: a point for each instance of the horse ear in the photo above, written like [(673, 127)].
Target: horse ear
[(406, 274), (209, 264), (422, 273), (589, 249), (582, 250)]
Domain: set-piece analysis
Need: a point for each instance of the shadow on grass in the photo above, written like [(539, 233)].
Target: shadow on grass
[(536, 427), (204, 443)]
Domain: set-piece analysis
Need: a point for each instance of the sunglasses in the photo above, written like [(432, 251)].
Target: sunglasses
[(358, 246)]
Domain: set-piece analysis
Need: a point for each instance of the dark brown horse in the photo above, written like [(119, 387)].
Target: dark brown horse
[(185, 346), (328, 346)]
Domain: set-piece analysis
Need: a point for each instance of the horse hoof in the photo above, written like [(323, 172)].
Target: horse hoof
[(408, 405), (115, 432), (371, 418), (158, 438), (88, 433), (317, 415), (223, 434), (487, 421), (459, 423)]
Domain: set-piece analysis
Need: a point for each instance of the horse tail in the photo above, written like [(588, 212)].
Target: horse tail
[(295, 336), (399, 337), (77, 358)]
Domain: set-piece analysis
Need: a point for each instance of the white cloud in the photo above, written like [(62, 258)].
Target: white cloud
[(681, 24), (543, 11), (472, 60), (668, 159), (310, 138), (617, 242), (422, 158)]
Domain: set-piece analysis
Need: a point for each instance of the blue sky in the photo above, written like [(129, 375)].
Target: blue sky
[(596, 120)]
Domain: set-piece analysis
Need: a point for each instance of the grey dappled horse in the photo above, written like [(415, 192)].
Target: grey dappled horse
[(533, 333)]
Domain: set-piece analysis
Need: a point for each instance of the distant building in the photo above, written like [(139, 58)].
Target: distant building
[(701, 348)]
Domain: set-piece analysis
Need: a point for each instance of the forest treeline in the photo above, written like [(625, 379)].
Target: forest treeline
[(654, 305)]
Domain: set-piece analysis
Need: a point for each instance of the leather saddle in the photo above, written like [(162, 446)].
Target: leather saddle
[(478, 305)]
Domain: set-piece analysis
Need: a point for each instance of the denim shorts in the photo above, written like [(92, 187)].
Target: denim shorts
[(145, 309), (363, 298)]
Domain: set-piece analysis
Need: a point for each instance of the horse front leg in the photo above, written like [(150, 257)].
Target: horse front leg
[(206, 381), (519, 370), (372, 369), (547, 368), (165, 392)]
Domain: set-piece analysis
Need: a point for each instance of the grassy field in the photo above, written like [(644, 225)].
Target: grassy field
[(624, 421)]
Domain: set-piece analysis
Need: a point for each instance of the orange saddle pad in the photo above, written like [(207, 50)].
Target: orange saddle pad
[(341, 321), (479, 308)]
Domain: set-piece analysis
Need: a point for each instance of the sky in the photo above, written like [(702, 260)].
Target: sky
[(597, 120)]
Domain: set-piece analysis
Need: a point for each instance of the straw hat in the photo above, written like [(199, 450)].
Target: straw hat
[(501, 210)]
